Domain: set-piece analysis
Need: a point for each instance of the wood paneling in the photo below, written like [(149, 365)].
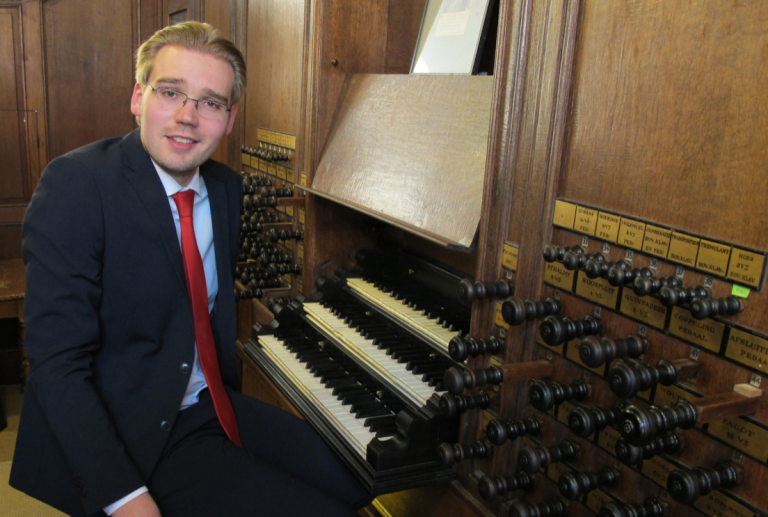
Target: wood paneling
[(275, 46), (354, 36), (10, 242), (151, 13), (89, 70), (14, 180), (403, 26), (182, 10), (667, 99)]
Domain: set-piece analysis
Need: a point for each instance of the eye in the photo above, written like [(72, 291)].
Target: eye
[(171, 94), (212, 105)]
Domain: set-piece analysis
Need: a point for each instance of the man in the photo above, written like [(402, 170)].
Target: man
[(125, 242)]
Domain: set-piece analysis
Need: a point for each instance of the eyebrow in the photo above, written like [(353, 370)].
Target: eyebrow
[(206, 91)]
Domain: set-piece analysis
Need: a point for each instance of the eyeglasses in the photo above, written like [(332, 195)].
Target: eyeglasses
[(174, 100)]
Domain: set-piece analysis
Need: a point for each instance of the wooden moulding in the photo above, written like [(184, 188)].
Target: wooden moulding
[(527, 370), (411, 150), (277, 226), (290, 201), (745, 399)]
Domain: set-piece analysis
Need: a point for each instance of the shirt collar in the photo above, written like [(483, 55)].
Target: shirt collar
[(172, 186)]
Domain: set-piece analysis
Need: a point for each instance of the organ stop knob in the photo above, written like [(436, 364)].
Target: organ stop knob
[(686, 485)]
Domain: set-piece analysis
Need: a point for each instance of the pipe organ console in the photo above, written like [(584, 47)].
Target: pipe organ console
[(534, 292)]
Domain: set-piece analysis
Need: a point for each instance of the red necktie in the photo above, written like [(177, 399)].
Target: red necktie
[(198, 297)]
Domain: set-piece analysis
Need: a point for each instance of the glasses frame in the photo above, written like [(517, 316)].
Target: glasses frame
[(187, 98)]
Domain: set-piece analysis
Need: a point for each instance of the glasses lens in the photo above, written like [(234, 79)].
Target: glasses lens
[(171, 98), (211, 109)]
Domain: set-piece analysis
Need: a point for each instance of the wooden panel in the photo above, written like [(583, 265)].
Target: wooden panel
[(14, 178), (448, 500), (401, 151), (10, 242), (353, 35), (151, 12), (275, 49), (404, 22), (34, 73), (89, 72), (176, 11), (667, 102)]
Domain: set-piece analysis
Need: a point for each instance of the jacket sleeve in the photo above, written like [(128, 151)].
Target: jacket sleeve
[(63, 245)]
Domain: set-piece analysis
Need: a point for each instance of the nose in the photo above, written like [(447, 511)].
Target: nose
[(187, 114)]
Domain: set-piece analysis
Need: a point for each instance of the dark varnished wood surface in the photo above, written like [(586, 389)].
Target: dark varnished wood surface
[(664, 122), (13, 184), (89, 73), (275, 45), (411, 148)]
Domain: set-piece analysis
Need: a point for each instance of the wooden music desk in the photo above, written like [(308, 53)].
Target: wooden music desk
[(13, 283)]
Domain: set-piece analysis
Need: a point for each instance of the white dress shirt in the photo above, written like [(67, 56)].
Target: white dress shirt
[(201, 218)]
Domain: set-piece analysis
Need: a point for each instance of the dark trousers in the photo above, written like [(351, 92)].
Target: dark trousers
[(284, 468)]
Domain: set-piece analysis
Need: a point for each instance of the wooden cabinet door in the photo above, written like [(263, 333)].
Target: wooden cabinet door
[(177, 11)]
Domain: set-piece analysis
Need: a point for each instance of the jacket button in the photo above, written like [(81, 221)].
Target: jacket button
[(165, 425), (184, 368)]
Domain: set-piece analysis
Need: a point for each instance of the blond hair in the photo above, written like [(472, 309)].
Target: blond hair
[(192, 36)]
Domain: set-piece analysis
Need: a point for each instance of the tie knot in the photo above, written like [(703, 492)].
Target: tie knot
[(184, 199)]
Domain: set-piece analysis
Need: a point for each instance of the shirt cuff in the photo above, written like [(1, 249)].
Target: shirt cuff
[(112, 508)]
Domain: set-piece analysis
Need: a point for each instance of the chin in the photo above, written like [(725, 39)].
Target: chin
[(179, 167)]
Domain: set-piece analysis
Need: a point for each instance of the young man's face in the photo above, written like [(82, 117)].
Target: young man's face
[(181, 140)]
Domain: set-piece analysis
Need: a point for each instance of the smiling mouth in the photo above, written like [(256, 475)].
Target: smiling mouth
[(182, 140)]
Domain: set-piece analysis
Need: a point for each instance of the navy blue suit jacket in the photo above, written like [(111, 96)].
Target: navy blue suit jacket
[(109, 324)]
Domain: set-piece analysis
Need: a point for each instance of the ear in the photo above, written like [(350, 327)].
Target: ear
[(138, 95), (231, 123)]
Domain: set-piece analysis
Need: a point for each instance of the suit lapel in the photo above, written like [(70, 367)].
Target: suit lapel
[(145, 181)]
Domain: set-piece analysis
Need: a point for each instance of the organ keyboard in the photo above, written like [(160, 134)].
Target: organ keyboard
[(368, 385), (415, 294), (428, 328), (365, 350)]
